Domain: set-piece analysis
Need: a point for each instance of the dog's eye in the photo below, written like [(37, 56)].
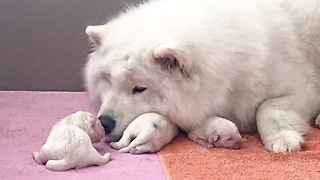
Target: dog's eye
[(138, 89)]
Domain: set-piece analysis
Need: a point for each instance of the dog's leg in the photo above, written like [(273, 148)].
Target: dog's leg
[(144, 148), (280, 125), (143, 137), (58, 165), (123, 142)]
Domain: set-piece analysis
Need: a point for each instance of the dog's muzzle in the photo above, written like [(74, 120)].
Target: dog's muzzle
[(108, 123)]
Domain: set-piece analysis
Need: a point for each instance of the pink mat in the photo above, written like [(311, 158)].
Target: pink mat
[(27, 118)]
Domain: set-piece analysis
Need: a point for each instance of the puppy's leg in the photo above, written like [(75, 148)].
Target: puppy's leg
[(199, 140), (280, 125), (143, 137), (144, 148), (123, 142), (93, 158), (58, 165), (97, 159), (41, 157)]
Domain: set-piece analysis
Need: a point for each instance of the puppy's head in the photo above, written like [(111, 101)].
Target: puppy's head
[(88, 123), (226, 140), (225, 135)]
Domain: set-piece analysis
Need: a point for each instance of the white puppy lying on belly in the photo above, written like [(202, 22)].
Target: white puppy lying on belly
[(217, 132), (150, 132), (69, 144)]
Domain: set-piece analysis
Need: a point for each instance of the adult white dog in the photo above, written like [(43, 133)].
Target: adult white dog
[(254, 62)]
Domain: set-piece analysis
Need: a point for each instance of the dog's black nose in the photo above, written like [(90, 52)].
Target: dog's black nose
[(108, 123)]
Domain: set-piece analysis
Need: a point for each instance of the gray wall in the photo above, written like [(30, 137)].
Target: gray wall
[(42, 42)]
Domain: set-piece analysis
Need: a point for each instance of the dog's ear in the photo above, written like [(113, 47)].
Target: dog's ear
[(95, 34), (171, 56)]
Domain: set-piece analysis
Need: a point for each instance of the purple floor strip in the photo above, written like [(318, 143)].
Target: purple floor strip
[(26, 120)]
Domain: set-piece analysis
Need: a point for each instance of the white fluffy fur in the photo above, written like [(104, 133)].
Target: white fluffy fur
[(69, 144), (254, 62), (149, 133), (217, 132)]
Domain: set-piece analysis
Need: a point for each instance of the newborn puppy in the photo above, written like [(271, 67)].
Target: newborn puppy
[(69, 144), (150, 132), (224, 133)]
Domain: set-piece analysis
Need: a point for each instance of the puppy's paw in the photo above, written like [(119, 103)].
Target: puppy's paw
[(244, 140), (210, 145), (134, 151), (317, 121), (116, 145), (139, 150), (106, 158), (204, 143), (124, 150), (107, 155), (284, 141), (36, 158), (142, 149)]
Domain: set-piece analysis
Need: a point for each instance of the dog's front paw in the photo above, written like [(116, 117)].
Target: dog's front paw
[(284, 141)]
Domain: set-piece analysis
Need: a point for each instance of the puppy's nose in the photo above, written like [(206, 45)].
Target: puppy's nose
[(237, 145), (108, 123)]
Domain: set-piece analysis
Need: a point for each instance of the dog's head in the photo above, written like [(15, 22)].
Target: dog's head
[(148, 61), (127, 76)]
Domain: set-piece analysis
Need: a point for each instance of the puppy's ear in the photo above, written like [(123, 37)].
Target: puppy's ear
[(214, 138), (95, 34), (171, 57), (91, 121)]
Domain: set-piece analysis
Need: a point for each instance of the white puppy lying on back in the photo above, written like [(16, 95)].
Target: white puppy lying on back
[(217, 132), (69, 144), (151, 132)]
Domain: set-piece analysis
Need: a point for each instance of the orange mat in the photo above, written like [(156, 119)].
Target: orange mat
[(184, 159)]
